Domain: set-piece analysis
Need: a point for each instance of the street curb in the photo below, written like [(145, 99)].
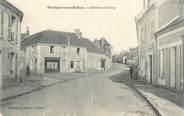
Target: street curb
[(148, 101), (31, 91)]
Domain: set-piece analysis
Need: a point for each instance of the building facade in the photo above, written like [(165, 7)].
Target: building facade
[(167, 48), (54, 51), (10, 27), (146, 26)]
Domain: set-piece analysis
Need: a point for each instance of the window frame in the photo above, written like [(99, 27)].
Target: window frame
[(78, 51), (52, 49), (72, 64)]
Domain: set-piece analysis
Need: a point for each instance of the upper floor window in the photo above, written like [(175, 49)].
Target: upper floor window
[(78, 51), (143, 33), (51, 49)]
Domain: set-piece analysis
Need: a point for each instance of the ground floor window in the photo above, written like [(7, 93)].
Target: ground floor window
[(52, 65), (71, 64)]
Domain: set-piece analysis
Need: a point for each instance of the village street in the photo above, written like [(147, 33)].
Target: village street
[(91, 95)]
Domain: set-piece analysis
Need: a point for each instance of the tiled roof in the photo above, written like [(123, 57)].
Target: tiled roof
[(57, 37), (52, 37)]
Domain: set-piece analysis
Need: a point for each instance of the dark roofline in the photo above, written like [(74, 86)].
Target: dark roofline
[(13, 8)]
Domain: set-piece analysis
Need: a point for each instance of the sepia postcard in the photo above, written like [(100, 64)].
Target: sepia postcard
[(91, 57)]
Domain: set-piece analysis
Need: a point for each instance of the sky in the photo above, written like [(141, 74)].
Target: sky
[(116, 25)]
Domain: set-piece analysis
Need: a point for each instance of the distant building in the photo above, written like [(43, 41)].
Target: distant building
[(104, 45), (55, 51), (10, 28), (131, 57)]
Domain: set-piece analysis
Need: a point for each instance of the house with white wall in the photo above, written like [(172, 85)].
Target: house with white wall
[(55, 51), (10, 28)]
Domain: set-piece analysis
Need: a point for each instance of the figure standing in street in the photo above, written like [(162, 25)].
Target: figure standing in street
[(131, 72), (27, 71)]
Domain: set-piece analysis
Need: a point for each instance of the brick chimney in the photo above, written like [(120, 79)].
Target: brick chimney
[(78, 33)]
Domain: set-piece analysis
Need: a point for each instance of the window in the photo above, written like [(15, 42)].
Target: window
[(17, 30), (9, 26), (161, 63), (51, 49), (71, 64), (78, 51)]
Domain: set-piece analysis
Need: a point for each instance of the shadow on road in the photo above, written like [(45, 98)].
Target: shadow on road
[(121, 78)]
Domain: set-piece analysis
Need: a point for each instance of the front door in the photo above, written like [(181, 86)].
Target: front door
[(52, 65), (103, 64), (173, 67), (151, 68)]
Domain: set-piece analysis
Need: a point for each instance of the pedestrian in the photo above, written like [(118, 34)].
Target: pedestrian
[(27, 71), (131, 71)]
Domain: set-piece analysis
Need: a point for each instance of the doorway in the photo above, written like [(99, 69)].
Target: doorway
[(173, 67), (1, 77), (150, 69)]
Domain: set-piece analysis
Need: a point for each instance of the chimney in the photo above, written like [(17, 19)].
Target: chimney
[(27, 31), (78, 33)]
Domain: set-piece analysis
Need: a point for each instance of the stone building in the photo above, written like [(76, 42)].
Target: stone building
[(10, 28), (166, 32), (146, 23), (55, 51)]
